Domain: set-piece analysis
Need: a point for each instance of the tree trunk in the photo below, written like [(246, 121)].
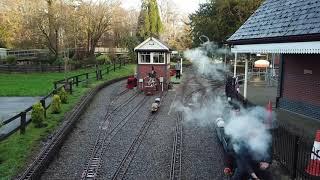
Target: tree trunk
[(53, 31)]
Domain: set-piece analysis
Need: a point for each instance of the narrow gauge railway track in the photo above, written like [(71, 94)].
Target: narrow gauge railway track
[(93, 165), (214, 84), (189, 95), (125, 163), (176, 160), (109, 111), (35, 169), (201, 89)]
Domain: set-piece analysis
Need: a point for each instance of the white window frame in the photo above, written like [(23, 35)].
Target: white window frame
[(158, 54), (144, 53), (165, 55)]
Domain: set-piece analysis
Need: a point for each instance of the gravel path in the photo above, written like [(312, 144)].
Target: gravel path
[(122, 140), (154, 155), (68, 164), (201, 153)]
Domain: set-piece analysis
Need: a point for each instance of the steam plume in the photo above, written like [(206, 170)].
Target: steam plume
[(208, 60), (247, 127)]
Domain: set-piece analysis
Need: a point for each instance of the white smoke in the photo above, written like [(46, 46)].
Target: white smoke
[(208, 60), (200, 112), (247, 128)]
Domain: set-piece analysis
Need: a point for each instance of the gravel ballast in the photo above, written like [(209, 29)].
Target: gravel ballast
[(202, 155), (69, 162)]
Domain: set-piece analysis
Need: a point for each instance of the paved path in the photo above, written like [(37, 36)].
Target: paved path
[(11, 106)]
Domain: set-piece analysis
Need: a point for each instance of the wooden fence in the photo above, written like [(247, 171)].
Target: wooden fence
[(30, 68), (68, 84)]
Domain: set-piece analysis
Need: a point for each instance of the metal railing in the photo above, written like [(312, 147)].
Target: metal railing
[(27, 54), (111, 50), (292, 150)]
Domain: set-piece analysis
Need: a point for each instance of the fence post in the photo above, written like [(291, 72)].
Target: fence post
[(114, 66), (295, 160), (97, 74), (120, 64), (23, 122), (77, 81), (43, 103), (100, 74), (70, 87)]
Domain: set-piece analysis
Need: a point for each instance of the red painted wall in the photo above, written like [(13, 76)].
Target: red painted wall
[(299, 86)]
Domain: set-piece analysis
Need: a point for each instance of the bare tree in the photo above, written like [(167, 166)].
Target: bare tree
[(62, 24), (97, 17)]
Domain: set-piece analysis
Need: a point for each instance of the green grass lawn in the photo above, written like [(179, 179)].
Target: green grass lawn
[(33, 84), (16, 150)]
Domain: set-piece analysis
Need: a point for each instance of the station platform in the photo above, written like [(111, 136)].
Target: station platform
[(261, 91)]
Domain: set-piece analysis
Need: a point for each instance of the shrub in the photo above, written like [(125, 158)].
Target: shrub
[(66, 60), (90, 60), (58, 62), (74, 62), (63, 95), (11, 60), (103, 59), (51, 58), (37, 115), (56, 105)]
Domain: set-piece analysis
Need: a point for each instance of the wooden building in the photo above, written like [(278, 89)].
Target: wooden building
[(291, 29)]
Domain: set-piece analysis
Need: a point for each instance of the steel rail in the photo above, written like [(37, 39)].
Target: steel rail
[(125, 163), (37, 166), (104, 138), (33, 170), (176, 160), (106, 118)]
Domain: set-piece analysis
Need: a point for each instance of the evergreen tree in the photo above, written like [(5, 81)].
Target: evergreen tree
[(149, 22), (219, 19)]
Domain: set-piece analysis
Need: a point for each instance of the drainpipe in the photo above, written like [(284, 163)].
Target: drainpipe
[(235, 65), (246, 79)]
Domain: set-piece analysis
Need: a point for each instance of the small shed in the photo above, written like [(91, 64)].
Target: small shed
[(3, 53), (153, 56)]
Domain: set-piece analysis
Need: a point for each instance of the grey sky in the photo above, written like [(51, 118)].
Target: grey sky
[(186, 6)]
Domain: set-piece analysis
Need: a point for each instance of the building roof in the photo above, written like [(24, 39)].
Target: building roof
[(281, 21), (152, 44)]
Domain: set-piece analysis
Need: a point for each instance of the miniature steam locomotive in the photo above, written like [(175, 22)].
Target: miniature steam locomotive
[(156, 105)]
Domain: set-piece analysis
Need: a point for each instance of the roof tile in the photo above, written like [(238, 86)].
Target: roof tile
[(277, 18)]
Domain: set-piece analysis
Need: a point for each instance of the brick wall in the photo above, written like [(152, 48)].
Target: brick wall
[(300, 108), (144, 69), (301, 90)]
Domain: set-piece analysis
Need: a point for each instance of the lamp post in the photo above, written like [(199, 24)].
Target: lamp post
[(180, 56)]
